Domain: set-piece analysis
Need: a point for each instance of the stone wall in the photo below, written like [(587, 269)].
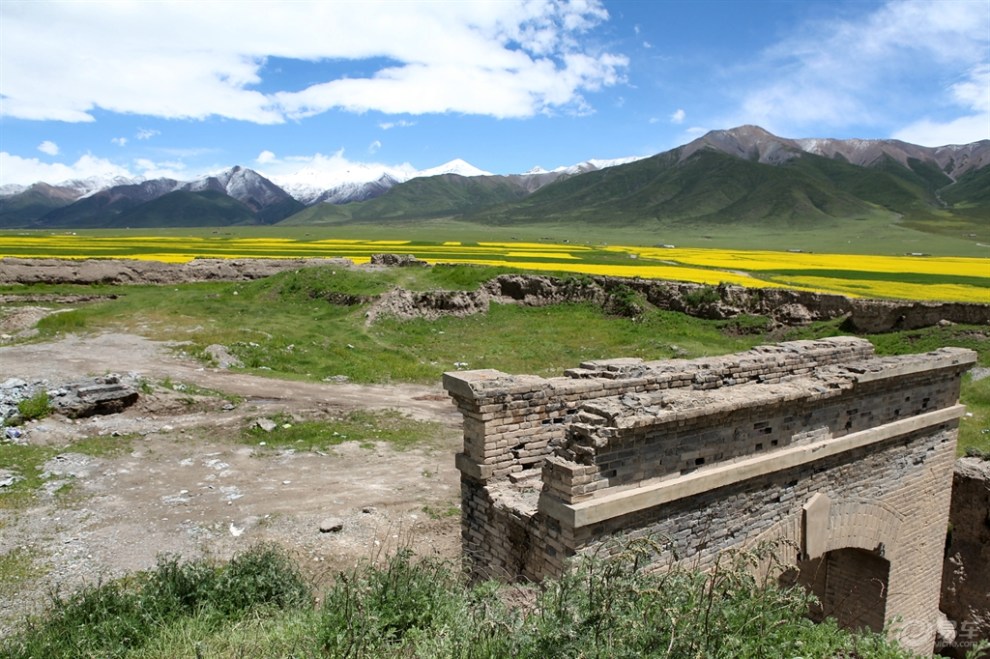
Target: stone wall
[(815, 442), (965, 575)]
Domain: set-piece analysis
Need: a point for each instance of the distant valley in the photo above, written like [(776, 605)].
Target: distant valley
[(742, 176)]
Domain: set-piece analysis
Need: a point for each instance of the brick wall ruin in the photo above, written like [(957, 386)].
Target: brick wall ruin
[(847, 455)]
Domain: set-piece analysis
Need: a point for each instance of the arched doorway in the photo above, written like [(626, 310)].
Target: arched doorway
[(850, 584)]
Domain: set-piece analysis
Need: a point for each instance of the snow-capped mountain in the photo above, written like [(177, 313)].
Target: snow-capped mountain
[(360, 182), (585, 166), (244, 185), (270, 198), (346, 193), (307, 185), (456, 166), (75, 188)]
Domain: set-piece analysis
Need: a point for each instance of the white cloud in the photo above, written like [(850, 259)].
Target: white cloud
[(883, 70), (402, 123), (63, 60), (320, 170), (939, 133), (265, 157), (374, 146), (146, 133), (973, 94), (678, 116), (119, 141), (150, 169), (48, 147), (25, 171)]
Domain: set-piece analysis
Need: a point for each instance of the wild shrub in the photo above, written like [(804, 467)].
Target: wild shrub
[(112, 619), (369, 610), (702, 295), (37, 406)]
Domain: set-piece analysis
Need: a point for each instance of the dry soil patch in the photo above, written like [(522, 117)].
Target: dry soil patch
[(186, 485)]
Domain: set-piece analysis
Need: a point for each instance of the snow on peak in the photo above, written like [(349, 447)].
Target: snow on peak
[(93, 184), (456, 166), (11, 189), (588, 165)]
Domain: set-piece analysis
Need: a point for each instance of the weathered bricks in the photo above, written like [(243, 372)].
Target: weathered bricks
[(613, 433)]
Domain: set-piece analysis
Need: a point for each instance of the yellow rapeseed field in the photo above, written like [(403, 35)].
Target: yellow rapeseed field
[(906, 277)]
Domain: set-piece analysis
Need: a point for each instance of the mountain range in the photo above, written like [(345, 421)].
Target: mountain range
[(744, 174)]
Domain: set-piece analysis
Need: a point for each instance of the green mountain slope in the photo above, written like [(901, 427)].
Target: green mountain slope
[(186, 209), (708, 187), (972, 190), (100, 209), (420, 198), (24, 208)]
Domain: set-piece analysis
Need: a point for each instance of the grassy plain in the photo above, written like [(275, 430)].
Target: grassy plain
[(301, 335), (259, 605), (921, 275)]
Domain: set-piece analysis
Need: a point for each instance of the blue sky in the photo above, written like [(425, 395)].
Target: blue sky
[(155, 88)]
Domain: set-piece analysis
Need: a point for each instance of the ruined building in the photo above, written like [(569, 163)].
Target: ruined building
[(847, 455)]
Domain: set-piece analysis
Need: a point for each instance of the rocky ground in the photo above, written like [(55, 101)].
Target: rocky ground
[(185, 485)]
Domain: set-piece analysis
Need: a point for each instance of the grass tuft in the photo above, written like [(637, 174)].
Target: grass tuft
[(116, 618), (37, 406), (365, 426)]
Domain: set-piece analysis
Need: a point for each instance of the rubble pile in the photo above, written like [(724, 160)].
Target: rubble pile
[(107, 394)]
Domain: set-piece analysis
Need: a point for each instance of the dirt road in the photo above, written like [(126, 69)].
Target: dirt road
[(186, 485)]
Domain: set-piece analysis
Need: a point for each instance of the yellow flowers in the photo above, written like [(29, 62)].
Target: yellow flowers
[(914, 277), (906, 277)]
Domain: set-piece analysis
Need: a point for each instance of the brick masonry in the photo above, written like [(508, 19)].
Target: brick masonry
[(846, 456)]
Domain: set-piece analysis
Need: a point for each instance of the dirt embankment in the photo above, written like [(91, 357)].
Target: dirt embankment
[(129, 271), (616, 295)]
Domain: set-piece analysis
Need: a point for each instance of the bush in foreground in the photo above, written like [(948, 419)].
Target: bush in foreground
[(259, 605), (112, 619)]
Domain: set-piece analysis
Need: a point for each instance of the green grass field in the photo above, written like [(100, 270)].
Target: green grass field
[(876, 235), (301, 335)]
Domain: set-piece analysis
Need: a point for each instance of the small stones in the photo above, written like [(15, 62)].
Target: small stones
[(331, 525), (222, 357), (267, 425), (8, 478)]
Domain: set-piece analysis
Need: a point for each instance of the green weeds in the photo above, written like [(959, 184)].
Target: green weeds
[(115, 618), (260, 605), (600, 609), (104, 446), (26, 463), (974, 427), (191, 391), (366, 427), (702, 295), (37, 406), (17, 566), (65, 322)]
